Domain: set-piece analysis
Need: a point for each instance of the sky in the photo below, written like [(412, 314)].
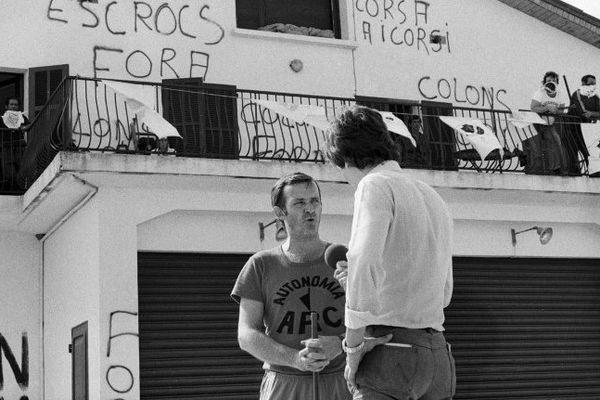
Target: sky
[(591, 7)]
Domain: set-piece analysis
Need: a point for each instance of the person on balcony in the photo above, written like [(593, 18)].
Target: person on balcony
[(399, 270), (585, 107), (12, 140), (13, 117), (585, 102), (278, 288), (549, 102)]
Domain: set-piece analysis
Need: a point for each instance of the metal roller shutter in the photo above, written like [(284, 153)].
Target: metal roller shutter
[(188, 329), (520, 329), (526, 329)]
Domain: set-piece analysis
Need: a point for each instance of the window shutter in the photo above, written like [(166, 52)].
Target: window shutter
[(43, 81), (205, 115), (439, 136)]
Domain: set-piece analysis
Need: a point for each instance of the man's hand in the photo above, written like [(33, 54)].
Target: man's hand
[(330, 346), (353, 359), (311, 359), (341, 273)]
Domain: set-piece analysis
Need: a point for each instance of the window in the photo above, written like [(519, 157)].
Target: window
[(274, 15)]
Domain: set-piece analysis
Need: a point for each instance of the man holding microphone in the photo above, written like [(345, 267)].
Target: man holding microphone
[(399, 270), (278, 289)]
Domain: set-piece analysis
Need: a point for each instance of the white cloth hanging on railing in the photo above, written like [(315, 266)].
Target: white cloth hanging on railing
[(479, 135), (146, 116), (523, 119), (302, 113), (316, 116), (396, 125), (591, 136)]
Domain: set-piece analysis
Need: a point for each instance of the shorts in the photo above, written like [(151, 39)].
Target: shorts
[(278, 386), (423, 371)]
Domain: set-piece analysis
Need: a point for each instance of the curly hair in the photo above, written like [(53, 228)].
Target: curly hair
[(359, 137), (549, 74)]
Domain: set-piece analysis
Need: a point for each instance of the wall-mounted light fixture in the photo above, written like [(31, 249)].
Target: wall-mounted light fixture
[(545, 234), (280, 233)]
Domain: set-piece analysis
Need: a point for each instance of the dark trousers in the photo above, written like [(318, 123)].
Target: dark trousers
[(423, 371)]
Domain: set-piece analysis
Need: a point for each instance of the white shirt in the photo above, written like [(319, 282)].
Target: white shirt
[(400, 253), (559, 100)]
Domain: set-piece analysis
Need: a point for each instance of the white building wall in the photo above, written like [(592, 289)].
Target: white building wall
[(493, 53), (20, 301), (107, 40), (71, 296)]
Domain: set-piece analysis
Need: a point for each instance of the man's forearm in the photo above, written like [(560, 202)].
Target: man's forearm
[(266, 349)]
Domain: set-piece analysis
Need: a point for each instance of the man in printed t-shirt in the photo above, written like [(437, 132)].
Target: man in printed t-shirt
[(278, 288)]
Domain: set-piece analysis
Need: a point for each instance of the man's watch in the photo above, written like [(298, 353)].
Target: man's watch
[(352, 350)]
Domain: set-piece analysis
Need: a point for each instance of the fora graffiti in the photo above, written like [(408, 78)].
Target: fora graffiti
[(187, 26), (119, 377), (20, 373)]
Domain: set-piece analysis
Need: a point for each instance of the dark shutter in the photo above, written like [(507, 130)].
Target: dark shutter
[(43, 81), (205, 115), (526, 329), (79, 355), (188, 329), (439, 136), (220, 121)]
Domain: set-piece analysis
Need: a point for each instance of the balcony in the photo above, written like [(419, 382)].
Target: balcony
[(224, 122)]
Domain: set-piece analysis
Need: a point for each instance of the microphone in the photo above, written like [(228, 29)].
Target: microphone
[(335, 253)]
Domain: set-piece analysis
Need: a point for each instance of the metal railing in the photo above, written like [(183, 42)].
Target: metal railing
[(12, 147), (218, 121)]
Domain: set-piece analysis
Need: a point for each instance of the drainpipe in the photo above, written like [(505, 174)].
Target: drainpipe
[(42, 237)]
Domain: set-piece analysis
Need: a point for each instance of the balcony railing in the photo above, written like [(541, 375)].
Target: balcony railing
[(218, 121)]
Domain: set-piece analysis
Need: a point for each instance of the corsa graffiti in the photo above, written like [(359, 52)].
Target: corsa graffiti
[(403, 24)]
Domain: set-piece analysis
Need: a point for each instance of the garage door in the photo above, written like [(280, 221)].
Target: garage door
[(526, 329), (520, 329), (188, 329)]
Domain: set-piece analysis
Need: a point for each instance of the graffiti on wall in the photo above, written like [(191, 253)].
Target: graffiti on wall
[(461, 94), (191, 23), (401, 23), (20, 373), (119, 377)]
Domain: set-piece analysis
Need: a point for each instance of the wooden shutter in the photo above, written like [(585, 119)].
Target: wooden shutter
[(220, 121), (43, 81), (525, 329), (188, 329), (79, 357), (438, 136), (205, 115)]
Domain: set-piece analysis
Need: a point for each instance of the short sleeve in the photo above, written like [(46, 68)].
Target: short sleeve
[(249, 283)]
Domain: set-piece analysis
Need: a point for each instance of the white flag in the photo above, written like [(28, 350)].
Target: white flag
[(591, 136), (522, 119), (13, 119), (301, 113), (395, 125), (479, 135), (155, 122)]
